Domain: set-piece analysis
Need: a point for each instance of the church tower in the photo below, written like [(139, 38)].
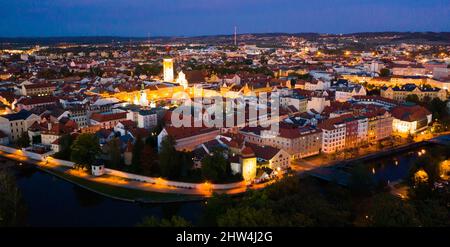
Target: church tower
[(143, 96), (168, 69), (181, 80)]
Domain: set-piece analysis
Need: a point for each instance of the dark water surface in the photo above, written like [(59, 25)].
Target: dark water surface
[(51, 201)]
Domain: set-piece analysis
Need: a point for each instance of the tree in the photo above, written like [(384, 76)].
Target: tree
[(263, 60), (413, 98), (426, 100), (147, 162), (85, 150), (96, 71), (248, 217), (384, 72), (410, 138), (169, 159), (438, 108), (361, 180), (148, 69), (214, 166), (216, 205), (175, 221), (65, 142), (114, 153), (430, 163), (380, 145), (137, 154), (12, 208), (431, 213), (24, 140), (387, 210)]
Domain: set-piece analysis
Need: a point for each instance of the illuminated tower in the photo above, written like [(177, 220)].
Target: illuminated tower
[(248, 164), (182, 80), (143, 96), (168, 69)]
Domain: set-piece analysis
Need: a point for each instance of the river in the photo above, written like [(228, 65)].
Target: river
[(51, 201)]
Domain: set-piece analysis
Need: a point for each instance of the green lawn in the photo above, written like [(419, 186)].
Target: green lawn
[(125, 193)]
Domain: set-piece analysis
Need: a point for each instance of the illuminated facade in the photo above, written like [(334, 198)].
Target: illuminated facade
[(410, 119), (248, 163), (168, 70), (400, 93), (144, 96), (181, 80)]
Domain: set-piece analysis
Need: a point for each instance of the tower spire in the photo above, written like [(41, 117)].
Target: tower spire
[(235, 36)]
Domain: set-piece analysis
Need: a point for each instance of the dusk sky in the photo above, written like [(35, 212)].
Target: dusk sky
[(205, 17)]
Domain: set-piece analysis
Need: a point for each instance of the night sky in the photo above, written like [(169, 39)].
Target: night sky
[(204, 17)]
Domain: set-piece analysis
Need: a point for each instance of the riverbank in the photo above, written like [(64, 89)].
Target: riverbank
[(106, 186), (123, 194), (178, 191), (324, 161), (52, 201), (110, 191)]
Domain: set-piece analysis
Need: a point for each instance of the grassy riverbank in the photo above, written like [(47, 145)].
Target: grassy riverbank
[(121, 193)]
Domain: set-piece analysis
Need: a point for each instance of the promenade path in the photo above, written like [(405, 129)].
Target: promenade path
[(160, 186)]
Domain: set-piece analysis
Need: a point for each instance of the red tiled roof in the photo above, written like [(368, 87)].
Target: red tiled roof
[(184, 132), (329, 123), (128, 124), (410, 113), (247, 152), (38, 85), (34, 100), (264, 152), (102, 117)]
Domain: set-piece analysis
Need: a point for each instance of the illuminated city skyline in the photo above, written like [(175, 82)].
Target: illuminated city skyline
[(190, 18)]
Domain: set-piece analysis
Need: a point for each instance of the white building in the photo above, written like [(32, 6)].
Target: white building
[(317, 103), (147, 119), (15, 124), (181, 80), (344, 94), (333, 138), (318, 85)]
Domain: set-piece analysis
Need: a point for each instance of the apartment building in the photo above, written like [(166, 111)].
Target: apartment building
[(299, 142), (15, 124), (400, 93)]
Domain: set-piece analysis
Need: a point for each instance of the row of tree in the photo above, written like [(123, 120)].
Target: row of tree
[(436, 106), (295, 201)]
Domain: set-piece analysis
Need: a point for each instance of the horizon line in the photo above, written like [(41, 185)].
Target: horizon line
[(209, 35)]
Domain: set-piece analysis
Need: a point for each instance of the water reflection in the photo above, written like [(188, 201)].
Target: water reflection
[(394, 168), (87, 198), (51, 201)]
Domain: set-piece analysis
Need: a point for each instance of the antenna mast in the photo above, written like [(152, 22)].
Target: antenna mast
[(235, 36)]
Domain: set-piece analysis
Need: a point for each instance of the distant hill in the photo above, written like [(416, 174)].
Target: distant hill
[(439, 37)]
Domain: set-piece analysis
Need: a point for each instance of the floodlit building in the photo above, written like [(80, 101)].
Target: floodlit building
[(400, 93), (168, 70), (181, 80), (410, 119), (15, 124)]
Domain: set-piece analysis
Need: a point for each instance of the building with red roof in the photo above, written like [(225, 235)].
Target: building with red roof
[(410, 118), (108, 120)]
